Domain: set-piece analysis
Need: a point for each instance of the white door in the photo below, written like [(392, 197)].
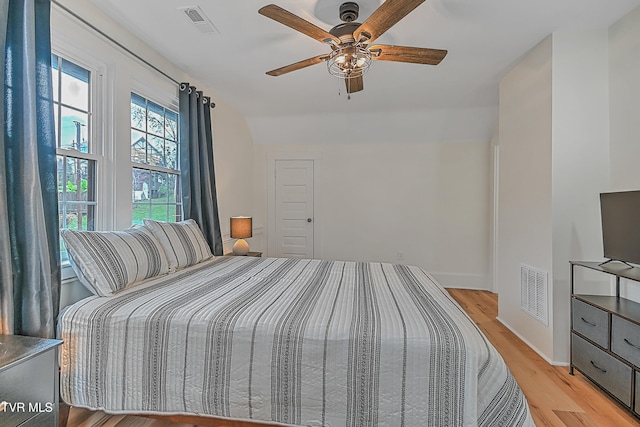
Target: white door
[(294, 222)]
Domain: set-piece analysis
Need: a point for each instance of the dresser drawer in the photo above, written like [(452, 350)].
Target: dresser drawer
[(636, 407), (602, 368), (28, 382), (625, 339), (591, 322)]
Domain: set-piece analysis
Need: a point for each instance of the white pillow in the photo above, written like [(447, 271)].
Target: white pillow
[(183, 242), (109, 261)]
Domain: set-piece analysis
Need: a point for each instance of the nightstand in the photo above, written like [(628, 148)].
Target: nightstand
[(28, 381), (256, 254)]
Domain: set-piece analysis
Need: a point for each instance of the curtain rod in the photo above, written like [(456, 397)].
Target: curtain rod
[(112, 40)]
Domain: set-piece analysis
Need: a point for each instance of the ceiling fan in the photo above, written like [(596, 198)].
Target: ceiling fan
[(350, 42)]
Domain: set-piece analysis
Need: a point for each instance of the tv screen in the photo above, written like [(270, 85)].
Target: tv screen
[(620, 212)]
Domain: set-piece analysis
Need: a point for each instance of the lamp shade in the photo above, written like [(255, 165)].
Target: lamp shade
[(241, 227)]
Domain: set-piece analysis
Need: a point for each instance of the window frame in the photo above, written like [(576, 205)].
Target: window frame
[(97, 135)]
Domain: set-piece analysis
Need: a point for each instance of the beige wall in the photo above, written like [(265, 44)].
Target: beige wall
[(428, 204), (624, 59), (524, 187), (554, 162), (233, 154), (398, 125), (580, 168)]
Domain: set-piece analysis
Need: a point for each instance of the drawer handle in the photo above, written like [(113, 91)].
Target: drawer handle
[(604, 371), (631, 344), (587, 322)]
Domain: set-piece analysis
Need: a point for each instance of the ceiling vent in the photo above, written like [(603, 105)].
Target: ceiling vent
[(533, 293), (199, 20)]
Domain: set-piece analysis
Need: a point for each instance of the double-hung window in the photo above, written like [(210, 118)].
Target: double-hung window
[(76, 151), (155, 164)]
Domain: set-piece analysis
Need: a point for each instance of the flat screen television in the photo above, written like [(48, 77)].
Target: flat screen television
[(620, 213)]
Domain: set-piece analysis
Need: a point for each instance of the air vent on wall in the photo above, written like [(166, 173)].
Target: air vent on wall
[(533, 293), (199, 19)]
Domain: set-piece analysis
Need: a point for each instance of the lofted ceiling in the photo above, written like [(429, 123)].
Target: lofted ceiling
[(484, 40)]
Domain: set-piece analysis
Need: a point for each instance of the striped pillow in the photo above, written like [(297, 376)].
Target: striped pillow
[(108, 261), (183, 242)]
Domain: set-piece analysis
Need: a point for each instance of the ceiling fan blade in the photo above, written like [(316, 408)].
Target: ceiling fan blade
[(415, 55), (293, 21), (354, 84), (298, 65), (384, 17)]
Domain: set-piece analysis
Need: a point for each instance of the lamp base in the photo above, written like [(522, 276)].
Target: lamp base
[(240, 247)]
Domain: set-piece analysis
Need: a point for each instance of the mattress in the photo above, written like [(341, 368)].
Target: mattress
[(290, 341)]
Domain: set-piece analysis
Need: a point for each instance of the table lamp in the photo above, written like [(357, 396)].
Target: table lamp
[(241, 228)]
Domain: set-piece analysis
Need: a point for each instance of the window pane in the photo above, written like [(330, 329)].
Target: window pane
[(74, 130), (160, 212), (141, 210), (74, 82), (155, 123), (172, 191), (171, 126), (155, 186), (163, 189), (140, 184), (76, 194), (155, 151), (138, 112), (138, 147), (171, 149)]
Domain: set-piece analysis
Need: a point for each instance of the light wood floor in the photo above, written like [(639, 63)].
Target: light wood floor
[(555, 397)]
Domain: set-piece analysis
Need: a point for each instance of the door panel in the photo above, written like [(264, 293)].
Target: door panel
[(294, 208)]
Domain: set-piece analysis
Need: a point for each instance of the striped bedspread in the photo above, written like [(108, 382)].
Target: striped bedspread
[(297, 342)]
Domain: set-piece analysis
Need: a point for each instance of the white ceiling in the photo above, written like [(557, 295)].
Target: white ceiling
[(484, 39)]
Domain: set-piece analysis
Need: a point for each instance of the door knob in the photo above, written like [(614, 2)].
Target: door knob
[(309, 219)]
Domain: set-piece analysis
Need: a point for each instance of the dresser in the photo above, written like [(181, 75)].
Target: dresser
[(28, 381), (605, 335)]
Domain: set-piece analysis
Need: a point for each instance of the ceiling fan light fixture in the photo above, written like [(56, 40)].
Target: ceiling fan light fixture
[(349, 62)]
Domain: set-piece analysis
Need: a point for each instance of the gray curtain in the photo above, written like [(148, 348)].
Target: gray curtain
[(199, 199), (29, 240)]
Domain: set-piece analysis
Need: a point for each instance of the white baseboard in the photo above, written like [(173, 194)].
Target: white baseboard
[(531, 346)]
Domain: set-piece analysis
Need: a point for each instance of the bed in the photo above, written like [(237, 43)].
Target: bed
[(289, 341)]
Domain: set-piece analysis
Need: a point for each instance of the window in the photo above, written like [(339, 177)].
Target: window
[(154, 154), (75, 149)]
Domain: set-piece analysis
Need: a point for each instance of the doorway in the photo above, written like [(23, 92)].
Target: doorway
[(293, 203)]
